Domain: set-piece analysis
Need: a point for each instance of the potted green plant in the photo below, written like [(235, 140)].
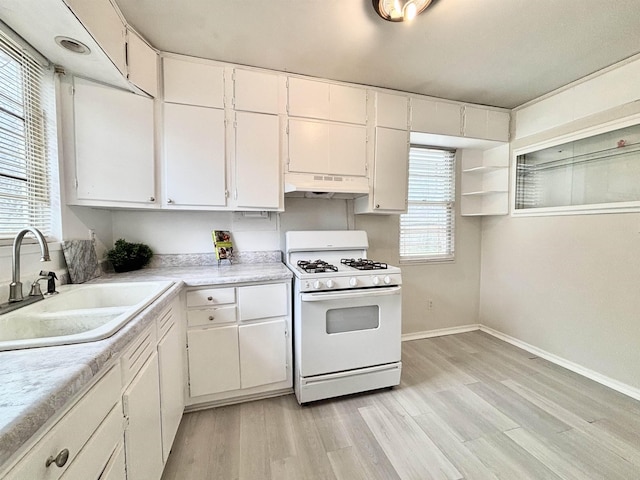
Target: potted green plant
[(126, 256)]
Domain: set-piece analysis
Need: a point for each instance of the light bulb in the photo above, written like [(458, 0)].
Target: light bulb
[(410, 11)]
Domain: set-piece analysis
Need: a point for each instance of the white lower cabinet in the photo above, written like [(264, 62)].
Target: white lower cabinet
[(143, 434), (241, 348), (123, 426), (171, 385), (263, 353), (83, 435), (213, 360)]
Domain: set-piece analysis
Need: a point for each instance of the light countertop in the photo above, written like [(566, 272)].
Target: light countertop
[(36, 383)]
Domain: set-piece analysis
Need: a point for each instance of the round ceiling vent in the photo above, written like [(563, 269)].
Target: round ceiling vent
[(73, 45)]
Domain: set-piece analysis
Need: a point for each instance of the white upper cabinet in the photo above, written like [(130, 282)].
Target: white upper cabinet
[(255, 91), (193, 83), (114, 147), (432, 116), (142, 64), (327, 148), (390, 174), (257, 162), (392, 111), (485, 124), (103, 22), (327, 101), (194, 156)]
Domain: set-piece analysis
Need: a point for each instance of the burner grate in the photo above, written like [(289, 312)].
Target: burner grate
[(363, 264), (316, 266)]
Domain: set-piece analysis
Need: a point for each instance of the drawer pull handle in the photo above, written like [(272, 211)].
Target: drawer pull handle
[(210, 299), (59, 460), (211, 317)]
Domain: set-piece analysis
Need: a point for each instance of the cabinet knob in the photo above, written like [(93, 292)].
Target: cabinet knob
[(169, 200), (210, 299), (152, 199), (211, 318), (377, 205), (60, 460)]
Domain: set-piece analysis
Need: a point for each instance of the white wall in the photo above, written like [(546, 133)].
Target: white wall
[(569, 285), (453, 287)]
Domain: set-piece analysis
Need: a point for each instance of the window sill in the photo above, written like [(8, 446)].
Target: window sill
[(426, 261), (595, 209)]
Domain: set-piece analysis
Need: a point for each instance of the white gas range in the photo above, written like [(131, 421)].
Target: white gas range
[(347, 315)]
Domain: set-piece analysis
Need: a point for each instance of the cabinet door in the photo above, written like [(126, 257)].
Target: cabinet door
[(257, 162), (263, 353), (194, 155), (101, 19), (114, 144), (193, 83), (308, 146), (430, 116), (391, 170), (142, 64), (115, 469), (486, 124), (171, 386), (308, 98), (263, 301), (213, 360), (392, 111), (143, 435), (255, 91), (327, 148), (347, 150), (347, 104)]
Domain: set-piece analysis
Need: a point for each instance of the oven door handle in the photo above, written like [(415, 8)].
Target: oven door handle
[(373, 292)]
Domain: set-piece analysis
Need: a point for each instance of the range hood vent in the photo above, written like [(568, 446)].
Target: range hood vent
[(325, 186)]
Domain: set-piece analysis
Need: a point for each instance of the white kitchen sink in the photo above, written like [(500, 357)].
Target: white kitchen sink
[(78, 314)]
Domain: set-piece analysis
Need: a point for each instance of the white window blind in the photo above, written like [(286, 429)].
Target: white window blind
[(25, 173), (427, 229)]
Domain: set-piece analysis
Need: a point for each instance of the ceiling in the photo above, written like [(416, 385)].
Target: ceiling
[(492, 52)]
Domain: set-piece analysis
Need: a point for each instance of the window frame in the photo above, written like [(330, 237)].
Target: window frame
[(44, 110), (587, 209), (444, 257)]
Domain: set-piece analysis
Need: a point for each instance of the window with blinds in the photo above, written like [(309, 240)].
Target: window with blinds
[(26, 92), (427, 229)]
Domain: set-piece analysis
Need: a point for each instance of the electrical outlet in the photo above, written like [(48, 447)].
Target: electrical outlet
[(429, 304), (92, 235)]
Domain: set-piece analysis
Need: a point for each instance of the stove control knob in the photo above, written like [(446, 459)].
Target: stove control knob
[(376, 280), (330, 284), (353, 281), (387, 279), (317, 284)]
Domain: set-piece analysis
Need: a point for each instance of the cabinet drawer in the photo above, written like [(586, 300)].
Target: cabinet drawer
[(138, 353), (210, 296), (211, 316), (96, 454), (263, 301), (72, 431)]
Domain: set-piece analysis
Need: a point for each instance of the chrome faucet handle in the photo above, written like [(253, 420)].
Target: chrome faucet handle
[(36, 291)]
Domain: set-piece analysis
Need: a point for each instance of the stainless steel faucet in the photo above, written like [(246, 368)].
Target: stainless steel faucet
[(15, 289)]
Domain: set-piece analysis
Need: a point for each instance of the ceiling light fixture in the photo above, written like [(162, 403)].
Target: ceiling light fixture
[(400, 10)]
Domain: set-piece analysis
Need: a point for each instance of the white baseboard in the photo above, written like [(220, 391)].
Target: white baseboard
[(616, 385), (439, 332)]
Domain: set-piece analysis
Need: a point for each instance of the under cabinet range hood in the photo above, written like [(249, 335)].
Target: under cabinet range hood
[(314, 185)]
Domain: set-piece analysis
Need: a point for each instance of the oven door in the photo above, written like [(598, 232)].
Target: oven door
[(349, 329)]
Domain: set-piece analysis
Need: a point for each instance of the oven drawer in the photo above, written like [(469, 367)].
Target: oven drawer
[(211, 316), (210, 296)]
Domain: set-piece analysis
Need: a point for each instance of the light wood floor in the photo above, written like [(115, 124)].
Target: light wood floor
[(469, 407)]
